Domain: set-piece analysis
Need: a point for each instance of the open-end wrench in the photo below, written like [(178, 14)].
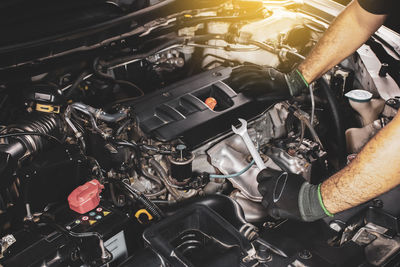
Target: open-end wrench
[(242, 131)]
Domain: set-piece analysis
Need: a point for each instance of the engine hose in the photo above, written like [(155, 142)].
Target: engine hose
[(75, 85), (152, 177), (159, 193), (24, 139), (233, 175), (113, 197), (138, 155), (334, 110), (32, 134), (164, 177), (285, 53), (98, 113)]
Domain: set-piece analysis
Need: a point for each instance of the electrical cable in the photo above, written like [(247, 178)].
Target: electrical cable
[(312, 104), (130, 84), (217, 176), (137, 151), (97, 67), (303, 128), (75, 85)]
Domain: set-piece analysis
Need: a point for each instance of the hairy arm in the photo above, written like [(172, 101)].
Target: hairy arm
[(373, 172), (347, 33)]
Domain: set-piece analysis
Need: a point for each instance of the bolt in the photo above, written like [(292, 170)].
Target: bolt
[(305, 254), (269, 225), (383, 70), (217, 74), (264, 254), (377, 203)]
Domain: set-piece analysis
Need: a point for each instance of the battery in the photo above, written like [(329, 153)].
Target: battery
[(48, 246)]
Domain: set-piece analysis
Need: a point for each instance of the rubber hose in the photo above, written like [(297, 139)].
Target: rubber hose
[(76, 83), (164, 177), (334, 110)]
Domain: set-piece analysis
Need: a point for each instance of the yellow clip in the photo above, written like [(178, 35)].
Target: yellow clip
[(91, 222), (143, 211), (187, 16), (48, 108)]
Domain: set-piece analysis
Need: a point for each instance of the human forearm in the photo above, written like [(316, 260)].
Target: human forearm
[(375, 171), (347, 33)]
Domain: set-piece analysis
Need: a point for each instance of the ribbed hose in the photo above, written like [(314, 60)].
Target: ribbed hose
[(47, 124), (336, 120)]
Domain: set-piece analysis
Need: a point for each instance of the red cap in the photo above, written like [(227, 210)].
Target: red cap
[(85, 197), (211, 102)]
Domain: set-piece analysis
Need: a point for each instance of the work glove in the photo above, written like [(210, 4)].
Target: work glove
[(259, 82), (287, 195)]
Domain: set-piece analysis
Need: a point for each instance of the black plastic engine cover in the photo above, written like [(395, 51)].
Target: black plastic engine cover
[(197, 236), (179, 110)]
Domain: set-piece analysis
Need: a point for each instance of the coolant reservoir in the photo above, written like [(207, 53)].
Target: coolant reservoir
[(368, 108), (357, 138)]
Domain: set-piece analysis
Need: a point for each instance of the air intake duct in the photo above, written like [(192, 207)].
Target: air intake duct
[(21, 140)]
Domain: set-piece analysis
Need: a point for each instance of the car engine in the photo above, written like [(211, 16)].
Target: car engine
[(127, 157)]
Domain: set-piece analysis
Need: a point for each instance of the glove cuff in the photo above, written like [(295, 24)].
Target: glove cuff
[(296, 82), (311, 205)]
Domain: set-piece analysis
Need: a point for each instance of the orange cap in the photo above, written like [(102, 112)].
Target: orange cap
[(211, 102)]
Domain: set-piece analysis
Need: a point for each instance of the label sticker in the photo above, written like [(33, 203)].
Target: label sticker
[(117, 246)]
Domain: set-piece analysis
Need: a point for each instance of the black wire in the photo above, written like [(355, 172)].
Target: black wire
[(31, 133), (97, 67), (75, 85), (130, 84), (138, 154), (155, 149)]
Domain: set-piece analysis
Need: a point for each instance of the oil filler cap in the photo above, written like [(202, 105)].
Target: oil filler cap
[(85, 197)]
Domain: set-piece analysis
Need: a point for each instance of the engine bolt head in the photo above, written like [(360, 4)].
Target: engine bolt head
[(377, 203), (305, 254)]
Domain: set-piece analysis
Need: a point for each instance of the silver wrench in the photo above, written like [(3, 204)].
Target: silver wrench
[(242, 131)]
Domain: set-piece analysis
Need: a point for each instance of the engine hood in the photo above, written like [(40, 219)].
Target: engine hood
[(23, 21), (37, 35), (41, 29)]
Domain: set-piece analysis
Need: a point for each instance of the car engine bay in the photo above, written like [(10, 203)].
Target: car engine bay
[(127, 157)]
